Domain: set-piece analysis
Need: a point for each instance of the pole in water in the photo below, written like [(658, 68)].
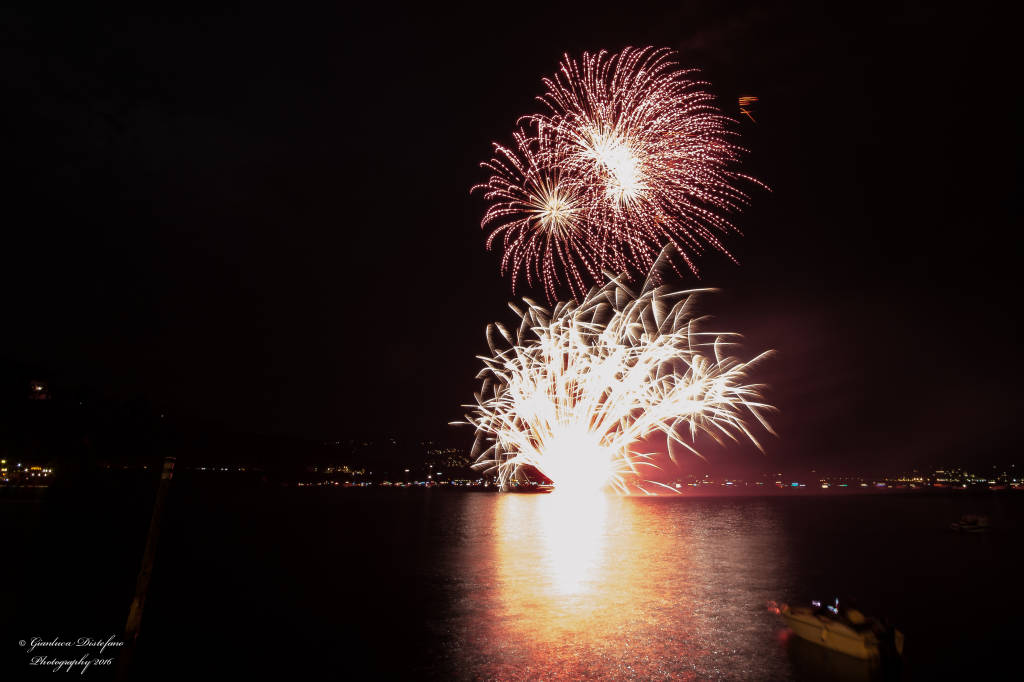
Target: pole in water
[(131, 628)]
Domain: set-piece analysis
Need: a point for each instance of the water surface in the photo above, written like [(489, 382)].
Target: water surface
[(385, 584)]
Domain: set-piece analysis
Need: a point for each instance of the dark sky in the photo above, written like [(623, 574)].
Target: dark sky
[(261, 219)]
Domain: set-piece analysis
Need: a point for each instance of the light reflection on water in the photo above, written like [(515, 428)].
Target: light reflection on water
[(567, 534), (621, 587)]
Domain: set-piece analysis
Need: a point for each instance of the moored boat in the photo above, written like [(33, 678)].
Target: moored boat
[(846, 631), (971, 523), (528, 488)]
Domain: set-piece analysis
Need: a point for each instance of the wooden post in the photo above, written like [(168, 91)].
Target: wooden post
[(131, 628)]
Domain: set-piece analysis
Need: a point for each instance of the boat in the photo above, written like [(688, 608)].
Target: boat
[(845, 630), (971, 523), (528, 488)]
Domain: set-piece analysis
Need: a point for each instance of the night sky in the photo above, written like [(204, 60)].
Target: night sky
[(262, 219)]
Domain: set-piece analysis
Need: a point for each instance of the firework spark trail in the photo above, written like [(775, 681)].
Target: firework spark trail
[(576, 388), (640, 156)]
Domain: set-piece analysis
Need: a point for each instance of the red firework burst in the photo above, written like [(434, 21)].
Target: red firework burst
[(631, 154)]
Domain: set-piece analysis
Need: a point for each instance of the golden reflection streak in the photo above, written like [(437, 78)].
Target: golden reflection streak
[(574, 594), (551, 556), (620, 588), (573, 531)]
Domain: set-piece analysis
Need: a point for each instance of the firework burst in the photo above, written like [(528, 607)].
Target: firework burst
[(537, 214), (638, 156), (577, 388)]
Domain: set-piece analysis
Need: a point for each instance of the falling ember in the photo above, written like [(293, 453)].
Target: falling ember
[(639, 157), (576, 389), (745, 103)]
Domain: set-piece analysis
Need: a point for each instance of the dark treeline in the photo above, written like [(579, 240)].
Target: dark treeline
[(75, 430)]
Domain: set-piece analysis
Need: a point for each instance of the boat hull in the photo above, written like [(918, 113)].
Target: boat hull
[(831, 634)]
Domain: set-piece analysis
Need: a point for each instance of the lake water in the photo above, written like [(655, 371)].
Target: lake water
[(415, 583)]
